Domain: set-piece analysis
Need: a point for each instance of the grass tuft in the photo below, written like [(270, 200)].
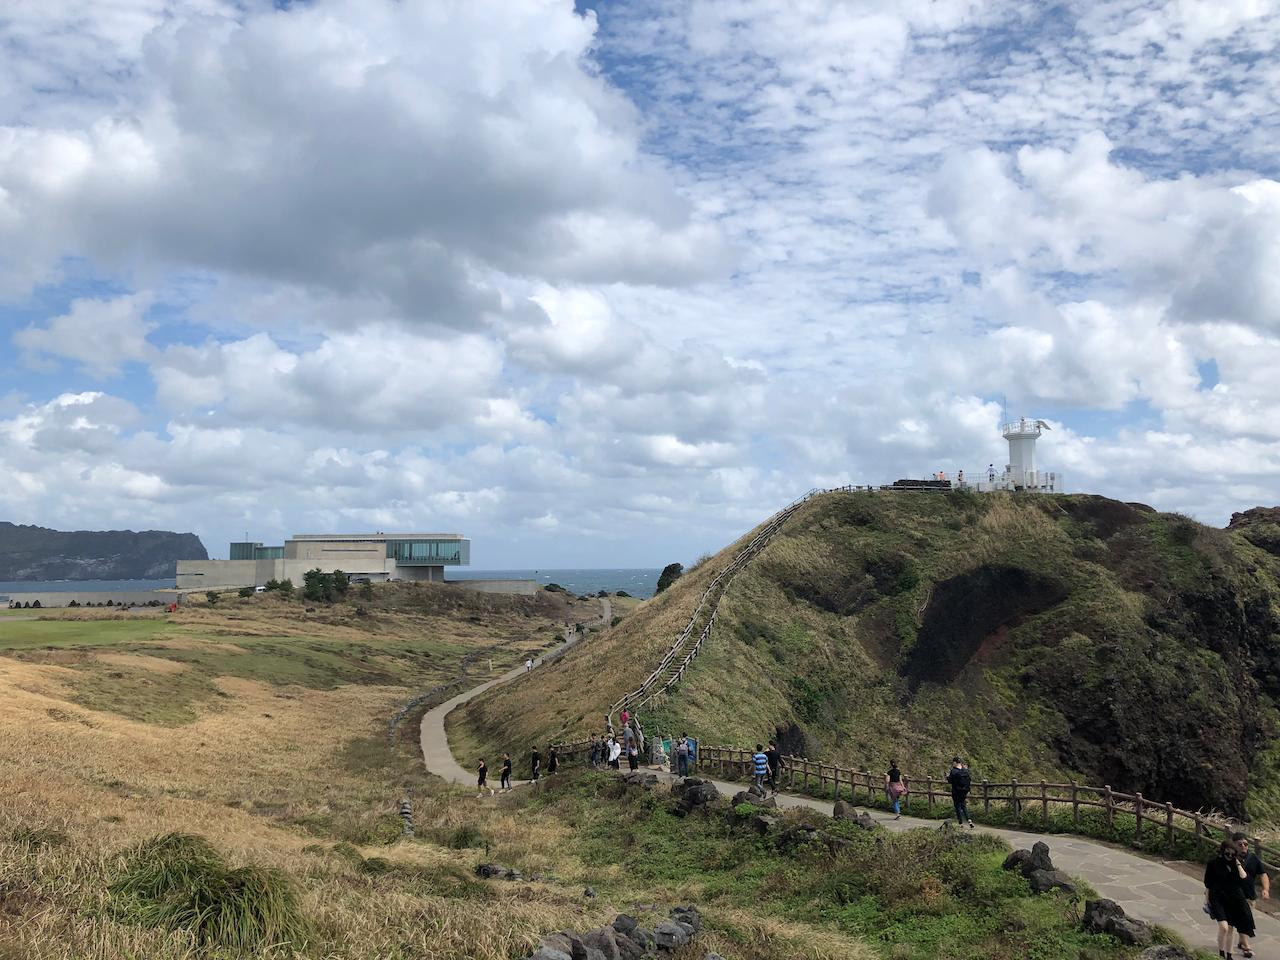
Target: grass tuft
[(179, 882)]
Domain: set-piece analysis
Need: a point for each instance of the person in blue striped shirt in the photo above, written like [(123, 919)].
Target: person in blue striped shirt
[(760, 766)]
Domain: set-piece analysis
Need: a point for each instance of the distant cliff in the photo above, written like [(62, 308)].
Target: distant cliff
[(37, 553)]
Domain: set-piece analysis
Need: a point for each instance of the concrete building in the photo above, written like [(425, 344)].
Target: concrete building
[(377, 556)]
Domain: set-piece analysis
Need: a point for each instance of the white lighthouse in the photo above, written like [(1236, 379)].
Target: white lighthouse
[(1020, 473)]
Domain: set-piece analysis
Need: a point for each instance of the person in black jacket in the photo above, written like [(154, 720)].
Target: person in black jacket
[(1254, 870), (961, 780), (1224, 885), (506, 771), (535, 765)]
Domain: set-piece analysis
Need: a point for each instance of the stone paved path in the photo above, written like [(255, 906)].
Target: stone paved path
[(1147, 889), (436, 755)]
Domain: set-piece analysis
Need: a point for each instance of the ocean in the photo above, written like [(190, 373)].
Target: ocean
[(639, 582)]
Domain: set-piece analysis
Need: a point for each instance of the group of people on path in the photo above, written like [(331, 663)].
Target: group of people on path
[(1230, 886), (608, 749), (535, 770)]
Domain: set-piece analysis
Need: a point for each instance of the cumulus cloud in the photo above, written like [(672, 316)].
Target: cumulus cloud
[(101, 334), (611, 286), (378, 149)]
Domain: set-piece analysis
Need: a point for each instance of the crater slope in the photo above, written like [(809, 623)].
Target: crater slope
[(1039, 636)]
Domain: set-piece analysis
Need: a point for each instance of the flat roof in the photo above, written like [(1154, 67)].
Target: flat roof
[(377, 536)]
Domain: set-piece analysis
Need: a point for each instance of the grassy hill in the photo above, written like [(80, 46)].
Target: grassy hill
[(1039, 636)]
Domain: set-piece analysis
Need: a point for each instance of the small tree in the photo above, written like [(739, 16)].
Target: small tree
[(315, 585), (285, 587), (366, 592), (669, 575), (338, 584)]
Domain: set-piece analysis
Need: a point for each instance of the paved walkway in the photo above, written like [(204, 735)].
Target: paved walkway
[(1150, 890), (436, 755)]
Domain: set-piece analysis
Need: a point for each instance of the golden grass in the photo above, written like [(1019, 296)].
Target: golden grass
[(271, 775)]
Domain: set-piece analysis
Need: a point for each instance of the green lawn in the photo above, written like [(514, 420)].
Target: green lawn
[(34, 634)]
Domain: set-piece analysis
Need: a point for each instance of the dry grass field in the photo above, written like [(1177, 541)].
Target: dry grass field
[(262, 728)]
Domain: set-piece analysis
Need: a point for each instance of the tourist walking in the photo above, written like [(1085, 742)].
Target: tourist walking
[(960, 780), (682, 755), (615, 751), (528, 665), (633, 757), (535, 765), (894, 788), (482, 774), (624, 716), (553, 760), (1225, 899), (759, 767), (1254, 870), (775, 764), (505, 782), (594, 757)]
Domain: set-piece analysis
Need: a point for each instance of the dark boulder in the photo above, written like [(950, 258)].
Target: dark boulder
[(1042, 881), (745, 796), (670, 935), (1107, 916)]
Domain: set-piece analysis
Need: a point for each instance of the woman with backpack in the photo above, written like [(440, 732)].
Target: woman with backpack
[(895, 788)]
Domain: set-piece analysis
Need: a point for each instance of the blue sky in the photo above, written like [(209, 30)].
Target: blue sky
[(606, 285)]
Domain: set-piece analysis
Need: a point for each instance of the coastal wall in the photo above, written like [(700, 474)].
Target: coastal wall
[(60, 598)]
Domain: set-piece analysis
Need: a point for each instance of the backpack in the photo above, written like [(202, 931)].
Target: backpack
[(683, 748), (961, 780)]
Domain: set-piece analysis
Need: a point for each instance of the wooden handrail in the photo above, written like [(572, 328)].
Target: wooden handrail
[(832, 779)]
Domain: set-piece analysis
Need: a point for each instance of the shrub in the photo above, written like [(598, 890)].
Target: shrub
[(669, 575), (179, 882), (35, 604), (246, 591), (211, 595), (467, 835)]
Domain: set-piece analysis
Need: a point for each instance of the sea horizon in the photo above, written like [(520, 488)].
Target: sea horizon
[(637, 581)]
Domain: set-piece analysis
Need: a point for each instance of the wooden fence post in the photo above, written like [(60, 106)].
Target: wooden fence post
[(1111, 810), (1137, 823), (1168, 826), (1075, 804), (1044, 801), (868, 773)]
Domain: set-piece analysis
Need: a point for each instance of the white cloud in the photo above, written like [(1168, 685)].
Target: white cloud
[(101, 334), (611, 291)]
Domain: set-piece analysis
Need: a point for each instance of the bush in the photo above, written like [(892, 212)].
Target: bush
[(465, 836), (246, 591), (669, 575), (211, 595), (35, 604), (179, 882)]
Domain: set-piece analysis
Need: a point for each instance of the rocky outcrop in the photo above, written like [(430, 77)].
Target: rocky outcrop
[(1036, 865), (844, 810), (625, 939), (1107, 916), (692, 794), (38, 553)]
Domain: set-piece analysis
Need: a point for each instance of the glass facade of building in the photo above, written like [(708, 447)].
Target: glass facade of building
[(246, 550), (429, 553)]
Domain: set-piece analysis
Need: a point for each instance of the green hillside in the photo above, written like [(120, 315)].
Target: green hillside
[(1040, 636)]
